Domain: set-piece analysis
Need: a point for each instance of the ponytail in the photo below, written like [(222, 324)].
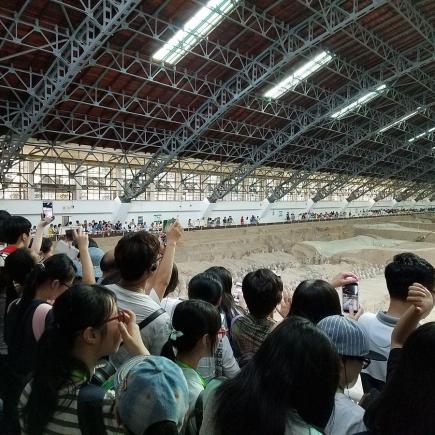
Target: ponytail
[(79, 307), (192, 320)]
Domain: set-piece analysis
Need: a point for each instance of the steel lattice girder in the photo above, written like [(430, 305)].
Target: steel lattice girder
[(391, 188), (263, 66), (293, 182), (93, 31), (412, 191)]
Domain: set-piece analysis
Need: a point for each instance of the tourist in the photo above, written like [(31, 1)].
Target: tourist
[(65, 246), (352, 345), (47, 248), (109, 272), (136, 256), (405, 406), (15, 233), (162, 410), (287, 388), (86, 326), (262, 291), (403, 271), (168, 302), (194, 336)]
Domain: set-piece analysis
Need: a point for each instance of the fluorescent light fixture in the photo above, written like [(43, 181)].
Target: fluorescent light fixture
[(421, 134), (296, 77), (403, 118), (359, 102), (195, 29)]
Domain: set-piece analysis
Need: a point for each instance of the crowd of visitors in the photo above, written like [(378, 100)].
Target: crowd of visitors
[(95, 342)]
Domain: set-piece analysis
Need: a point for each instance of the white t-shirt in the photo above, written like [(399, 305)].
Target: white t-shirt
[(379, 328), (346, 418), (229, 366), (155, 334), (169, 304), (63, 247)]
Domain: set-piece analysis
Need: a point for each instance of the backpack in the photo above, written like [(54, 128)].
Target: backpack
[(90, 410), (105, 368)]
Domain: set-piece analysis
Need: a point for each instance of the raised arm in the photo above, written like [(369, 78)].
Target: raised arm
[(37, 239), (88, 273)]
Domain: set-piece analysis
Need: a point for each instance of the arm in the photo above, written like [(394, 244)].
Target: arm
[(422, 304), (37, 239), (343, 278), (162, 276), (131, 335), (88, 274)]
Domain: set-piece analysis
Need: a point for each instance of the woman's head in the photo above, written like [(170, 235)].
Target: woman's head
[(46, 248), (196, 324), (18, 265), (82, 331), (206, 287), (314, 300), (54, 275), (406, 404), (295, 371)]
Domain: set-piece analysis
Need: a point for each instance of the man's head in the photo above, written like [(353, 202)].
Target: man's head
[(136, 255), (406, 269), (262, 291), (16, 230), (353, 347), (107, 263)]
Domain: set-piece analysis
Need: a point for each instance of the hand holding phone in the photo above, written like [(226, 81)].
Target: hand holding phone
[(350, 297)]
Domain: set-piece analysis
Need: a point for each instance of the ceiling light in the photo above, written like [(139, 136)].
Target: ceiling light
[(195, 29), (403, 118), (359, 102), (421, 134), (296, 77)]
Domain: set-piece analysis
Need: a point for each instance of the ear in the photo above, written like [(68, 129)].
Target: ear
[(55, 284), (89, 335)]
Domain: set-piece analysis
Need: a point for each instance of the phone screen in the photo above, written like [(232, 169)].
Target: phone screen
[(47, 209), (350, 297)]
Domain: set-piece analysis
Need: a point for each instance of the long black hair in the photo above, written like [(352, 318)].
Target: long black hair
[(228, 306), (315, 299), (407, 402), (194, 319), (79, 307), (295, 371), (58, 266)]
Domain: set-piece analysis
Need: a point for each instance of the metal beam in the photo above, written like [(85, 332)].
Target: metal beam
[(98, 25), (284, 49)]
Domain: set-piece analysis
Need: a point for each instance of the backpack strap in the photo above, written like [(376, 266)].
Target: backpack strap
[(90, 410), (151, 318)]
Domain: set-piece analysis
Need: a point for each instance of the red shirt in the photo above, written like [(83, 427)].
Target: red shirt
[(9, 249)]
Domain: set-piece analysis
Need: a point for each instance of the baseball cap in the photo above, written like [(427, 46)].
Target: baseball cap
[(150, 389), (349, 337)]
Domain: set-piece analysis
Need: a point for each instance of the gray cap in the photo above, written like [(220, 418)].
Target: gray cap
[(349, 337)]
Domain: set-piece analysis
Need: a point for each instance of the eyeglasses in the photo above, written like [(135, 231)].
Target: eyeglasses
[(119, 318), (222, 332)]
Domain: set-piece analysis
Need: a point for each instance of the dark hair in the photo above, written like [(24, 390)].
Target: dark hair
[(405, 406), (79, 307), (262, 291), (107, 262), (46, 245), (226, 280), (173, 282), (69, 235), (92, 243), (194, 318), (58, 266), (136, 254), (206, 287), (15, 226), (315, 299), (4, 216), (295, 371), (406, 269)]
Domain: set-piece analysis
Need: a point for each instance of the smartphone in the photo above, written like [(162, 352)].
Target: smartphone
[(47, 210), (350, 297)]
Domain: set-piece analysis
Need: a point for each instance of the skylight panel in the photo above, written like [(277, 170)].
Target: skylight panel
[(422, 134), (402, 119), (359, 102), (195, 29), (296, 77)]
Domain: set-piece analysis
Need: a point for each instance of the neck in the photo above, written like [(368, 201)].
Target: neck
[(191, 359), (87, 356), (135, 286), (44, 294), (397, 308)]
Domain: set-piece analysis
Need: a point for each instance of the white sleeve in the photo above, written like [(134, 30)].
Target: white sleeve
[(230, 366)]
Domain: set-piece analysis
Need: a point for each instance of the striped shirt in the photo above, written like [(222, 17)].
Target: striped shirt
[(65, 420)]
